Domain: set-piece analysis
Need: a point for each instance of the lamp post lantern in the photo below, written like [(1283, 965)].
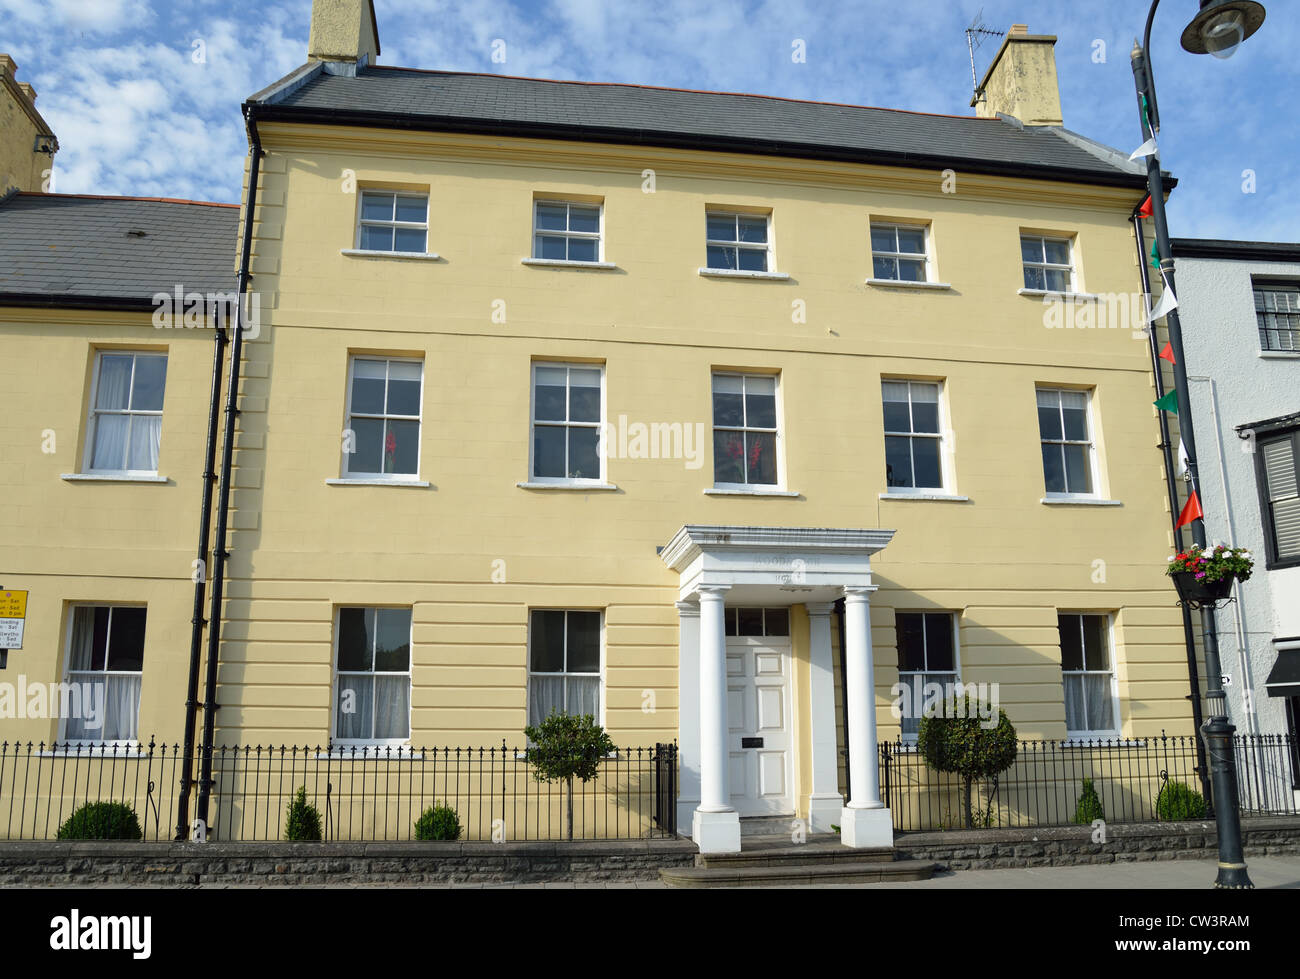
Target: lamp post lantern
[(1218, 29)]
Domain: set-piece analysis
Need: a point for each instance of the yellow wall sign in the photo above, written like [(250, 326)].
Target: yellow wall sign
[(13, 604)]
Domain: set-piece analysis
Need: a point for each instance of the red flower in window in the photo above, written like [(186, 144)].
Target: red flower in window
[(390, 444), (754, 454), (735, 447)]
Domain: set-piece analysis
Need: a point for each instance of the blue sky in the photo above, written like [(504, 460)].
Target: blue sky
[(137, 113)]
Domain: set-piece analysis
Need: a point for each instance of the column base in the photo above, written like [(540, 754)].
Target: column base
[(865, 828), (824, 812), (716, 832)]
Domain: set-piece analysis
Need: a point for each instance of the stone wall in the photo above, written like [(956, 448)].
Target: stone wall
[(1064, 846), (60, 864)]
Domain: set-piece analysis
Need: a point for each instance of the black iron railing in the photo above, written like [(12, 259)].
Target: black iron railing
[(359, 793), (1134, 780)]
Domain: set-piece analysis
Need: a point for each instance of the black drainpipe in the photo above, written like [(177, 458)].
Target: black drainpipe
[(219, 552), (1167, 448), (844, 684), (200, 586)]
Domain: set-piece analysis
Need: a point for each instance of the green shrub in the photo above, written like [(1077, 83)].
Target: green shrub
[(302, 821), (1178, 800), (437, 823), (957, 741), (1089, 807), (564, 747), (102, 821)]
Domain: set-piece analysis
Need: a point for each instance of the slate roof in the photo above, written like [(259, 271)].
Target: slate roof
[(85, 251), (1255, 251), (631, 114)]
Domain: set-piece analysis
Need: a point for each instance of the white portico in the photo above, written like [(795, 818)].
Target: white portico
[(725, 776)]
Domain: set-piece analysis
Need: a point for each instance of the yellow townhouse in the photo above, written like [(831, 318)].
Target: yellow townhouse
[(730, 420)]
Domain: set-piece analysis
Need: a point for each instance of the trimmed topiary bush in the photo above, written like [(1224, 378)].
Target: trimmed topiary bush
[(1089, 807), (302, 820), (438, 823), (564, 746), (102, 821), (1178, 800), (957, 741)]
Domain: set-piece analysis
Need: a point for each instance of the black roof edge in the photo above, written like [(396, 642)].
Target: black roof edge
[(427, 123), (124, 304), (1272, 424), (1254, 251)]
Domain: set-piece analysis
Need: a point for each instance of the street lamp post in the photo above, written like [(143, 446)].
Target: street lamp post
[(1218, 29)]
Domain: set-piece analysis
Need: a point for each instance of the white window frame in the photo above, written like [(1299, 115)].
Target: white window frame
[(941, 437), (392, 223), (1099, 733), (904, 675), (598, 236), (345, 470), (67, 661), (777, 440), (600, 427), (1094, 474), (1277, 294), (1072, 284), (528, 660), (92, 417), (337, 742), (769, 254), (923, 256)]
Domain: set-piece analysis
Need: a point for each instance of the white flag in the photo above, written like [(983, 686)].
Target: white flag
[(1182, 457), (1146, 149), (1168, 303)]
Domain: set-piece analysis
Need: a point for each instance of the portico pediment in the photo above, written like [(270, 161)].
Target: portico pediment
[(761, 564)]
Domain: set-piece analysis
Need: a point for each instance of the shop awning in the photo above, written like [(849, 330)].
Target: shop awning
[(1284, 679)]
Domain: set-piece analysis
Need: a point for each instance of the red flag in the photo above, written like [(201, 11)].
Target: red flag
[(1191, 511), (1168, 354), (1145, 209)]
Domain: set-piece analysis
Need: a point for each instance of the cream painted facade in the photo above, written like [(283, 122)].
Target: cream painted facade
[(472, 552), (27, 144)]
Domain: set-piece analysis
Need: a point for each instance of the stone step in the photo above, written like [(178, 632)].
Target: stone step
[(812, 854), (795, 874), (768, 826)]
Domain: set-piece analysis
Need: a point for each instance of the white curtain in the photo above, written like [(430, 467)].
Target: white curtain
[(110, 441), (584, 695), (1101, 707), (1076, 713), (545, 694), (146, 433), (392, 706), (356, 707)]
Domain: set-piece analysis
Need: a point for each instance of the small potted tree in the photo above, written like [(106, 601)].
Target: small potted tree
[(565, 746), (1205, 575), (960, 742)]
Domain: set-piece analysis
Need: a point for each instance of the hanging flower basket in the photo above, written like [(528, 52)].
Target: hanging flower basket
[(1205, 576)]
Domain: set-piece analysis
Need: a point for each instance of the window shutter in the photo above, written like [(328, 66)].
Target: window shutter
[(1283, 495)]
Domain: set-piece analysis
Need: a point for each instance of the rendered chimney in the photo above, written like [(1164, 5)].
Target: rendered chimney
[(1021, 82), (28, 91), (343, 31)]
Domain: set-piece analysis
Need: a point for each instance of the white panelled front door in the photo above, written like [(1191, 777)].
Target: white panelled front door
[(758, 715)]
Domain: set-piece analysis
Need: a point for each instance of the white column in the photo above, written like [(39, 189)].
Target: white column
[(825, 803), (865, 821), (688, 711), (716, 826)]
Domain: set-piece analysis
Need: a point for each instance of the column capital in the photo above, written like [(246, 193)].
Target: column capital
[(819, 608), (712, 592), (861, 592), (688, 610)]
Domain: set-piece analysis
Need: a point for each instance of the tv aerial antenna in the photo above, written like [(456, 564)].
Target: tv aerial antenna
[(975, 35)]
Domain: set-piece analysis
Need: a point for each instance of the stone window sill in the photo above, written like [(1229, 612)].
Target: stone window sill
[(111, 478), (741, 274), (409, 483), (1078, 501), (566, 264), (726, 491), (900, 284), (408, 256), (1069, 297), (940, 497), (573, 487)]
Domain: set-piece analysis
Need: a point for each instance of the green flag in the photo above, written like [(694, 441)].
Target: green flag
[(1168, 403), (1155, 254)]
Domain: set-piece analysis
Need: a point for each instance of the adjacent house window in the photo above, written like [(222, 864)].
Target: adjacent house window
[(1277, 312), (927, 653), (757, 621), (565, 232), (393, 221), (106, 663), (563, 663), (744, 430), (1066, 441), (1048, 264), (384, 397), (372, 699), (126, 412), (567, 411), (1088, 672), (913, 440), (738, 242), (898, 253), (1278, 471)]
